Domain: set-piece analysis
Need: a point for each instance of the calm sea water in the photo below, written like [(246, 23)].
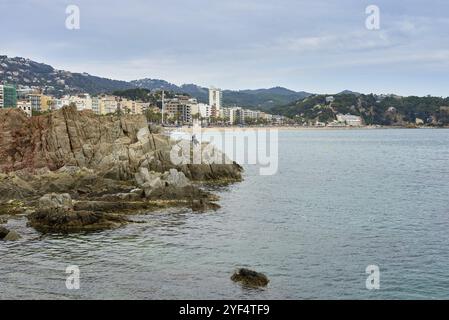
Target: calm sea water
[(341, 200)]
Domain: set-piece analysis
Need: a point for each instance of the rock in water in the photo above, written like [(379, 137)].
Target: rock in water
[(8, 235), (3, 232), (250, 278), (73, 221), (11, 236), (56, 214), (202, 205)]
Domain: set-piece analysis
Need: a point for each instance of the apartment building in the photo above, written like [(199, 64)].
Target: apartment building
[(8, 96), (25, 106), (181, 108), (215, 101), (40, 102), (350, 120)]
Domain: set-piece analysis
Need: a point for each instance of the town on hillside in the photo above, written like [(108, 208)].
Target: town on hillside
[(170, 109), (164, 108)]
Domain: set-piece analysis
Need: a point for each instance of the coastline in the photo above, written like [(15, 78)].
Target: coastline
[(290, 128)]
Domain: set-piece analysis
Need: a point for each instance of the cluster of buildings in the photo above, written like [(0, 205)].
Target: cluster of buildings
[(29, 100), (349, 120), (102, 104), (180, 109), (184, 109), (342, 120)]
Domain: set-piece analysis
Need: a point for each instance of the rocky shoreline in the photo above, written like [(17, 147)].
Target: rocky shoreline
[(71, 171)]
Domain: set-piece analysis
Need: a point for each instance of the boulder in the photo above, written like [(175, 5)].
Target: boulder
[(250, 278), (73, 221), (143, 134), (54, 201), (3, 232), (12, 236), (56, 214), (8, 235), (176, 179), (173, 182), (202, 205)]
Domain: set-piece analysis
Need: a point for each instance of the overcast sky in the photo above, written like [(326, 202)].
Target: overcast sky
[(316, 46)]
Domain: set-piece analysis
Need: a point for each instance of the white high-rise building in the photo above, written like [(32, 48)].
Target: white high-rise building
[(204, 110), (215, 101)]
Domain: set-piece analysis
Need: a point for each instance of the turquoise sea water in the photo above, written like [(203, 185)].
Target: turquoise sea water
[(340, 201)]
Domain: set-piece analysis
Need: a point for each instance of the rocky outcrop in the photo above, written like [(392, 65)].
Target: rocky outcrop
[(56, 214), (115, 146), (109, 165), (250, 278)]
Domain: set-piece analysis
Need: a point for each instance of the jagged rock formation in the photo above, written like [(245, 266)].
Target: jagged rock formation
[(114, 146), (105, 163), (250, 278)]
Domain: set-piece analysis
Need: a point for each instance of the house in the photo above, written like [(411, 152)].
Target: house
[(350, 120)]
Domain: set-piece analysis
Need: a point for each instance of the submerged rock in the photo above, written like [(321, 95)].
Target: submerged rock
[(73, 221), (250, 278), (202, 205), (56, 214)]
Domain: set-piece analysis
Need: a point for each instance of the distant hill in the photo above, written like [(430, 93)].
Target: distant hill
[(201, 93), (374, 109), (30, 73), (349, 92), (22, 71), (263, 99)]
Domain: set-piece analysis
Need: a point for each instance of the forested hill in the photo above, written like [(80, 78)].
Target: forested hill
[(262, 99), (374, 109)]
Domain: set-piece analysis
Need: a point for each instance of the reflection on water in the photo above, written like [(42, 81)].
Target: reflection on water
[(342, 200)]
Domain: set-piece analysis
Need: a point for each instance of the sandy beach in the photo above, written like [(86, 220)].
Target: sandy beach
[(280, 128)]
